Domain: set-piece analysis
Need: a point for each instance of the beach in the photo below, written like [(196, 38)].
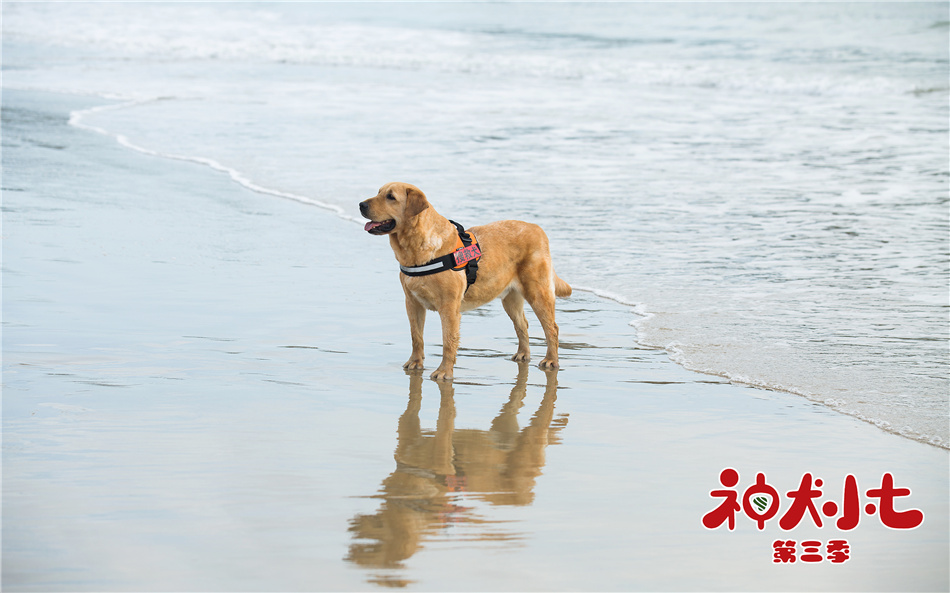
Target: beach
[(203, 390)]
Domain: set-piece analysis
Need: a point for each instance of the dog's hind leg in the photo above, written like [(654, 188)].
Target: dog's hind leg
[(514, 306), (545, 312), (540, 295)]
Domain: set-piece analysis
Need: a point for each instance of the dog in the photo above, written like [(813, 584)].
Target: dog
[(514, 264)]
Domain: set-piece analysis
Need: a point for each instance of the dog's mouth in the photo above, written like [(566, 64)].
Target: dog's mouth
[(380, 227)]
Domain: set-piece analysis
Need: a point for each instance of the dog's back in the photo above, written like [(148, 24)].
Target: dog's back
[(521, 249)]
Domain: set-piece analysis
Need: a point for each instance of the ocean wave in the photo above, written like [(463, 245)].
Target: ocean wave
[(195, 33), (76, 120), (638, 308), (679, 352)]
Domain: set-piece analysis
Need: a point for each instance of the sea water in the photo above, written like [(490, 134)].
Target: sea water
[(765, 184)]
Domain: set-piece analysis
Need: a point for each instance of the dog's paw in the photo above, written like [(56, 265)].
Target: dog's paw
[(441, 375), (548, 365), (521, 357), (413, 364)]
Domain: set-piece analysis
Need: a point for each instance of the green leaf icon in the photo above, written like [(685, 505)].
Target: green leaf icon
[(760, 502)]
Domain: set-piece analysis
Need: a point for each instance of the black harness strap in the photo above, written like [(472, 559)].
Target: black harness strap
[(471, 267), (450, 262)]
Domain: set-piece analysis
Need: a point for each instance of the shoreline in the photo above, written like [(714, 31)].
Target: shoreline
[(638, 309), (199, 393)]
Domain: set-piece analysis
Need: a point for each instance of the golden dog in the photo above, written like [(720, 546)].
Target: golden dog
[(515, 265)]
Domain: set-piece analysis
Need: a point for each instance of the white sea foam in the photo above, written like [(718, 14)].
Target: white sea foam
[(76, 119), (638, 308)]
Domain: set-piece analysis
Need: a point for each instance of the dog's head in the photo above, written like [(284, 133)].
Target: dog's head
[(393, 207)]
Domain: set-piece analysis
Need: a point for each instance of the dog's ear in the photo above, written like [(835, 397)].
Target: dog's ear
[(416, 202)]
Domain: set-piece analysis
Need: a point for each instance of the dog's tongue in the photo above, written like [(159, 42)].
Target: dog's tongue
[(371, 225)]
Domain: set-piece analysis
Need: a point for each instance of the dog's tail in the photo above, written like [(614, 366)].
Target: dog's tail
[(561, 288)]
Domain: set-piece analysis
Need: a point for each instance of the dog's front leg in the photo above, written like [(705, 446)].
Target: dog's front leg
[(451, 319), (417, 321)]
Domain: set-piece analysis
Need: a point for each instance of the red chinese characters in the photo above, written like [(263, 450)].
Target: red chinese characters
[(761, 502), (838, 551), (803, 500), (467, 254), (727, 510), (888, 516), (851, 506), (811, 551), (786, 551)]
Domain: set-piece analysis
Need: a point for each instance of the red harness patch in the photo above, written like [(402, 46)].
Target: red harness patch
[(467, 254)]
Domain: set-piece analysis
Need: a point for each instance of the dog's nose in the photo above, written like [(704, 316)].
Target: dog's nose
[(363, 208)]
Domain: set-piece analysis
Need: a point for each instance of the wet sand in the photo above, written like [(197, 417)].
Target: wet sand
[(203, 391)]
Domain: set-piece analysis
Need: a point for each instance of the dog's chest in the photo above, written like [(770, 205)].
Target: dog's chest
[(424, 301), (422, 296)]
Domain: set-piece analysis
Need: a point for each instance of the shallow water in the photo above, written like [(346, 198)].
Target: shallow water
[(766, 183)]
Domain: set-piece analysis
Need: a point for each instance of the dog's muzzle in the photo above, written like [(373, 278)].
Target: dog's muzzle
[(376, 227)]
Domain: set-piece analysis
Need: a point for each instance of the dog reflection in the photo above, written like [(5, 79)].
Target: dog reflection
[(498, 465)]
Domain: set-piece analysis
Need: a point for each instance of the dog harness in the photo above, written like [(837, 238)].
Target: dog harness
[(465, 257)]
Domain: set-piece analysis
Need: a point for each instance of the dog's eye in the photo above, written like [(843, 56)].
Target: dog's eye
[(391, 197)]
